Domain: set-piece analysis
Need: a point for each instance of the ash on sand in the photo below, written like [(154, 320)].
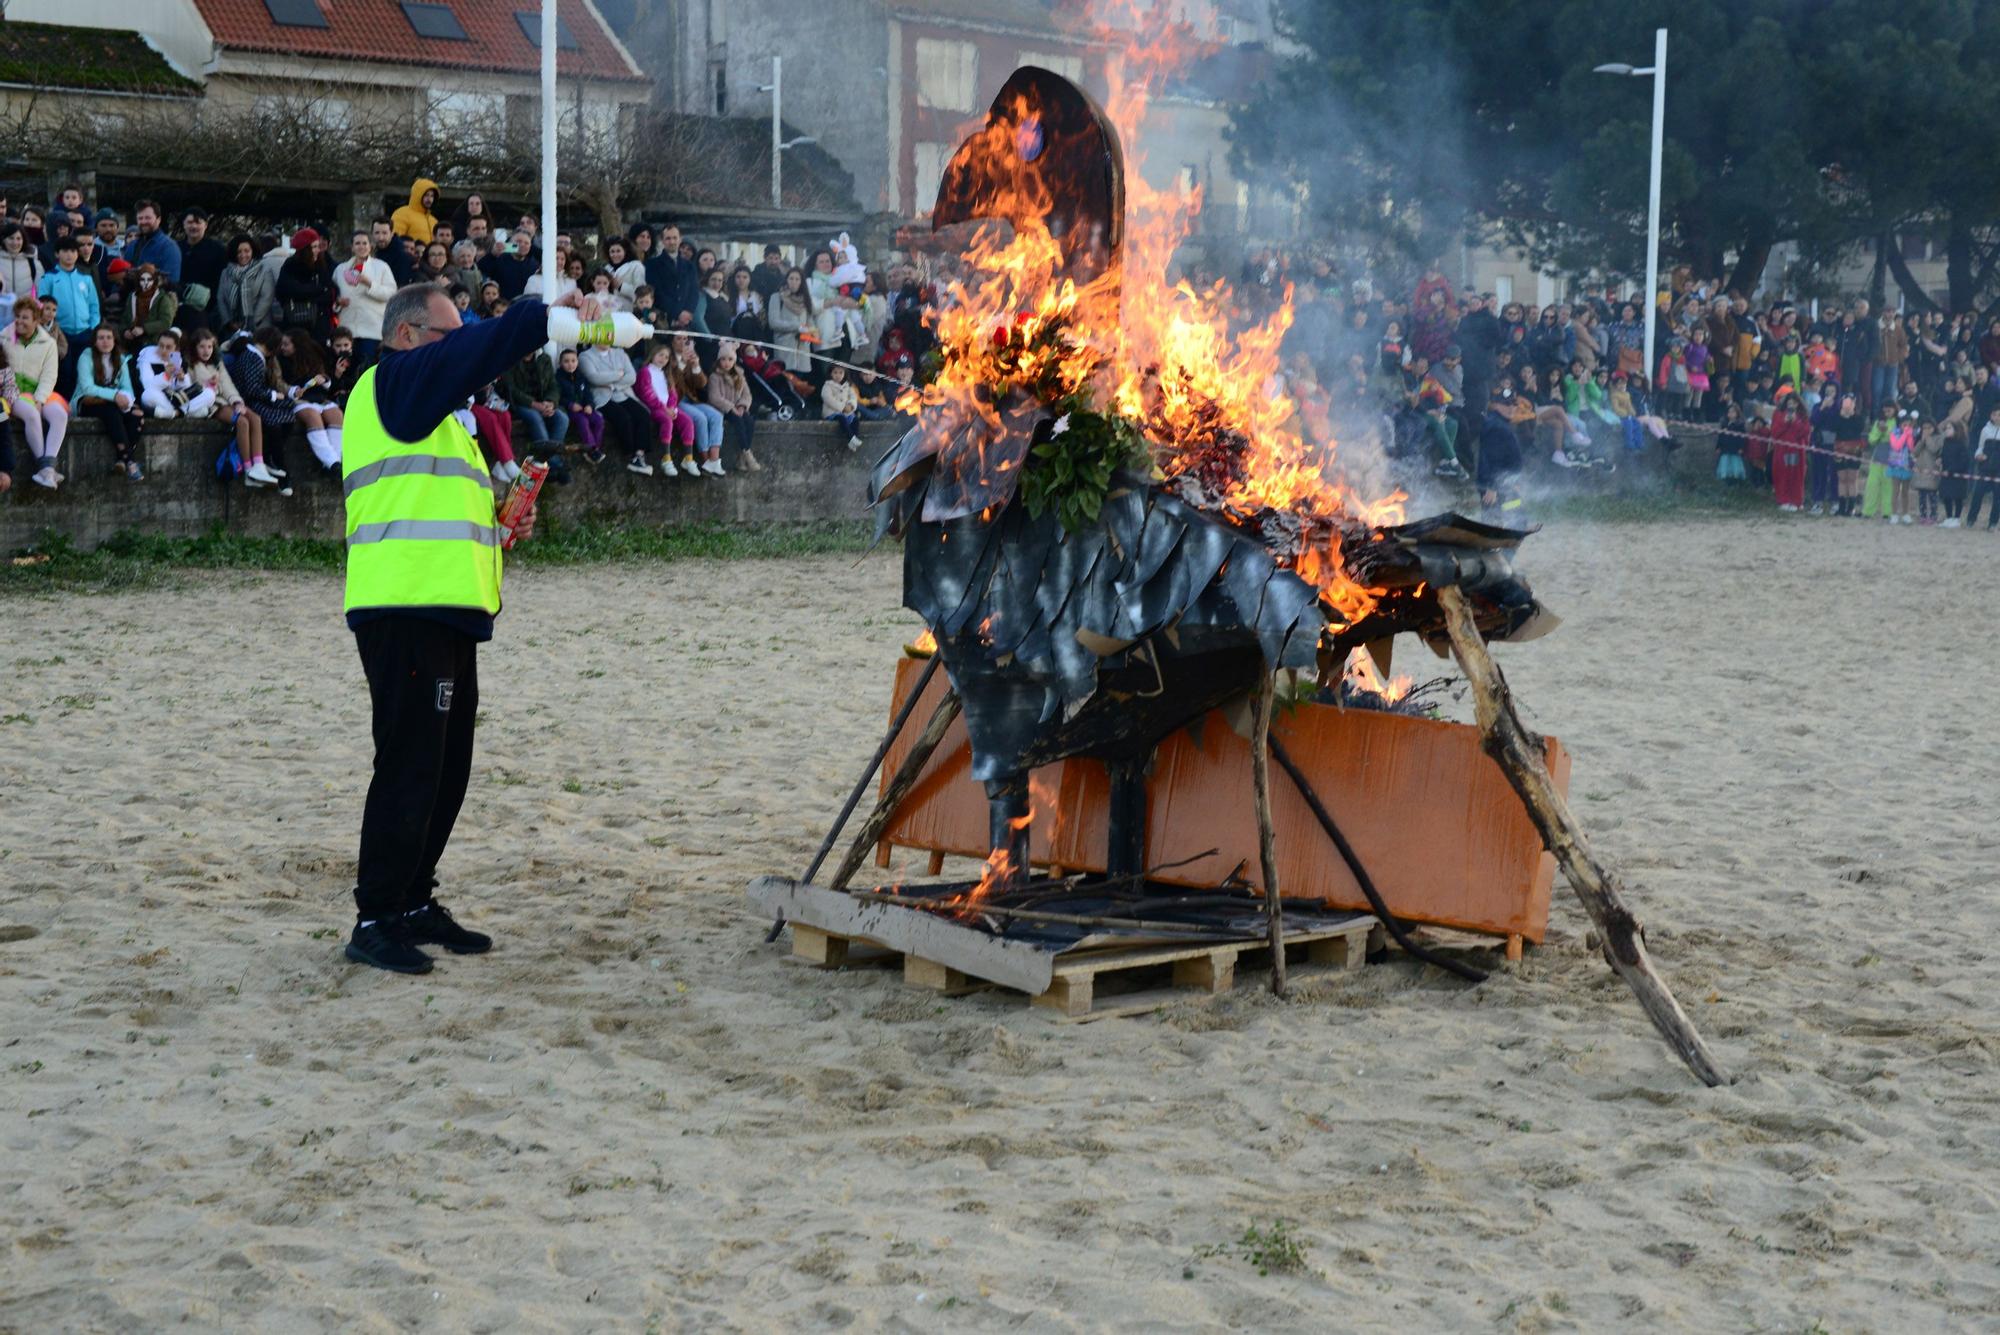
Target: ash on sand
[(635, 1113)]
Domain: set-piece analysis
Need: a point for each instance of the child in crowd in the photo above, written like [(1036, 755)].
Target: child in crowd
[(104, 391), (574, 395), (840, 405), (306, 370), (166, 389), (1673, 377), (690, 386), (492, 425), (729, 394), (1850, 438), (770, 384), (1876, 491), (1790, 434), (1730, 439), (871, 393), (1902, 455), (1700, 362), (656, 392), (205, 368), (1924, 466), (1954, 463)]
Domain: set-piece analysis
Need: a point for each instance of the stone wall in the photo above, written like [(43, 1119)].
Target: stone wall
[(809, 475)]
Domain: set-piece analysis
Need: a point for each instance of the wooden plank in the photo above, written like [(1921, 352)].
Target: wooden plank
[(1016, 964), (1070, 995), (1340, 952), (936, 864)]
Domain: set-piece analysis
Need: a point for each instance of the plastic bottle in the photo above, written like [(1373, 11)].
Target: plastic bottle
[(620, 330)]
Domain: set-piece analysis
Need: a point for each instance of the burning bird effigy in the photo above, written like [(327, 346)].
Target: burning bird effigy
[(1113, 526)]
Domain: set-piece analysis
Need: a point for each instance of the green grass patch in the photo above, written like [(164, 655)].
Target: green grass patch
[(1702, 499), (137, 561)]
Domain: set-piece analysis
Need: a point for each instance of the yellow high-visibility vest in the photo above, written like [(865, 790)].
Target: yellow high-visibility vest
[(420, 529)]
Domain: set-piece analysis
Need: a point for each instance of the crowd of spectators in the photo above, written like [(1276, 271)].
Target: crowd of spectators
[(1837, 409), (126, 319)]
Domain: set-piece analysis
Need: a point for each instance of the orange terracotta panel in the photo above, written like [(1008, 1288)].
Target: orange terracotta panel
[(1430, 816)]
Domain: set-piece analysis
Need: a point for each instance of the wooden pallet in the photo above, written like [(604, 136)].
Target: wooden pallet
[(1201, 969)]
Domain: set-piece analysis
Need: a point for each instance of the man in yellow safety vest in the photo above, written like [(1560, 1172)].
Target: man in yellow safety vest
[(423, 587)]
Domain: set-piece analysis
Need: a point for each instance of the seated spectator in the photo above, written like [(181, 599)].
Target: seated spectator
[(655, 390), (261, 381), (871, 394), (729, 394), (44, 417), (205, 366), (492, 425), (839, 405), (104, 391), (310, 375), (534, 400), (627, 422), (690, 384), (166, 390), (574, 397)]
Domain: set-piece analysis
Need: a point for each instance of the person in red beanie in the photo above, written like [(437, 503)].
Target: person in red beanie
[(305, 288)]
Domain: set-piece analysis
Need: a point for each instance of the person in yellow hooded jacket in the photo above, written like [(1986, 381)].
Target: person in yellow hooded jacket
[(416, 219)]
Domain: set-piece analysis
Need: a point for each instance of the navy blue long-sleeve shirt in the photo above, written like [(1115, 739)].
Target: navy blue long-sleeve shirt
[(415, 390)]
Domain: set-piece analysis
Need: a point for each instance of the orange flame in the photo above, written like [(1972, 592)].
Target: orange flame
[(1364, 675), (1157, 351), (923, 646), (998, 871)]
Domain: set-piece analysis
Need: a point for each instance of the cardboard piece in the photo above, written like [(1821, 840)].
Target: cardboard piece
[(1428, 813)]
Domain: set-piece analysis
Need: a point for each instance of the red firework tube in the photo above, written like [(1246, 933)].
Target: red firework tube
[(520, 500)]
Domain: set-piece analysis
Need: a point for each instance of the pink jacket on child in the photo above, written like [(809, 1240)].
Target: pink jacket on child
[(658, 395)]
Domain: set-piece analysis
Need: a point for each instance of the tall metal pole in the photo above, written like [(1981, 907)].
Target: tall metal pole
[(548, 233), (1651, 312), (777, 132)]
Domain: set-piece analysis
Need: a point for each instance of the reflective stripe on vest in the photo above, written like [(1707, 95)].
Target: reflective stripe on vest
[(403, 465), (420, 529)]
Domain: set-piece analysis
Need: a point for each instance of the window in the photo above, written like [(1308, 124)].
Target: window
[(931, 159), (1070, 67), (947, 74), (531, 28), (296, 13), (434, 20), (1503, 289), (469, 115)]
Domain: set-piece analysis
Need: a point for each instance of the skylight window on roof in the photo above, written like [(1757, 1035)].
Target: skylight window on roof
[(434, 20)]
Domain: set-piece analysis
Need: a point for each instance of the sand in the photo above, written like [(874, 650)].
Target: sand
[(636, 1116)]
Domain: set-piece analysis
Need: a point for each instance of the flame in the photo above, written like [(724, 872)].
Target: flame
[(1164, 354), (1365, 676), (998, 871), (923, 646)]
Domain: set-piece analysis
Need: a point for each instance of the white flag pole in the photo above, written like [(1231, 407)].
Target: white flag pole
[(548, 232)]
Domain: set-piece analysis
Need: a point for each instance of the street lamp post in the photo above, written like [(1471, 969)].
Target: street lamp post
[(776, 88), (1659, 73)]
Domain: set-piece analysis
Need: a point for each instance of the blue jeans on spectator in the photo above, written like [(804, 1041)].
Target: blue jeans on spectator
[(1882, 385), (881, 414), (707, 425), (849, 424), (543, 432)]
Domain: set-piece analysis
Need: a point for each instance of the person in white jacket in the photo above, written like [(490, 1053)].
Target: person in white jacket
[(365, 285), (165, 386)]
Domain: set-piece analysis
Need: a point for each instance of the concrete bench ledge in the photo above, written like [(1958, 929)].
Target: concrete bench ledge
[(809, 476)]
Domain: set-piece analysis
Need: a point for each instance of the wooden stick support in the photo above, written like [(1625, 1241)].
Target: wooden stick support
[(899, 787), (1520, 757), (1267, 848)]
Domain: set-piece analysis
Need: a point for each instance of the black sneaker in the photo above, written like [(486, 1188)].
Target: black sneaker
[(380, 945), (432, 925)]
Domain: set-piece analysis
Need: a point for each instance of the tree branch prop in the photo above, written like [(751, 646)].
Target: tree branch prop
[(1520, 757)]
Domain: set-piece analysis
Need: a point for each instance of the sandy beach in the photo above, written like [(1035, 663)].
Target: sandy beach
[(635, 1115)]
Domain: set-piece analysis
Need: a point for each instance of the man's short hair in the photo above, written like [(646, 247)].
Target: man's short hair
[(769, 251), (410, 305), (381, 220), (145, 204), (197, 212), (67, 243)]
